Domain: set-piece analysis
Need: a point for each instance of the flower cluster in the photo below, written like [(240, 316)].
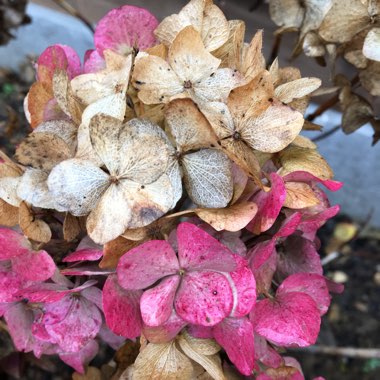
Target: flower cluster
[(165, 194), (329, 29)]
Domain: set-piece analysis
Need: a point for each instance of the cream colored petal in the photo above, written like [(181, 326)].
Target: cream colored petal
[(77, 185), (273, 130), (189, 58), (287, 13), (215, 28), (33, 189), (188, 125), (190, 14), (149, 202), (208, 178), (296, 89), (220, 118), (371, 47), (313, 46), (64, 129), (111, 216), (155, 80), (217, 87), (162, 362), (316, 10), (8, 190), (174, 174)]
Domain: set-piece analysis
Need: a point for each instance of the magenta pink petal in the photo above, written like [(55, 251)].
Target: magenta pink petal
[(79, 360), (204, 298), (299, 255), (10, 283), (312, 284), (197, 250), (34, 265), (301, 176), (74, 67), (334, 287), (235, 335), (266, 354), (94, 295), (93, 62), (12, 244), (244, 290), (144, 265), (44, 292), (292, 319), (156, 304), (122, 309), (124, 27), (51, 59), (263, 263), (19, 321), (167, 331), (81, 324), (109, 337), (289, 225), (269, 205), (83, 255)]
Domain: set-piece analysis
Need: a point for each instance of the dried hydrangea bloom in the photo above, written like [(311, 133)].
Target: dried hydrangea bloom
[(189, 72), (206, 18), (133, 192)]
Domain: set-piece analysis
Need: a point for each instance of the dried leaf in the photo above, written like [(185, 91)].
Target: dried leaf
[(34, 229)]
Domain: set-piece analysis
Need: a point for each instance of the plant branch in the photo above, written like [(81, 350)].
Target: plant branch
[(326, 134), (351, 352), (323, 107), (74, 12), (275, 48)]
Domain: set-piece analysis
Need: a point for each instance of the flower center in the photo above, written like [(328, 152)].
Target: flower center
[(114, 179), (187, 84), (236, 135)]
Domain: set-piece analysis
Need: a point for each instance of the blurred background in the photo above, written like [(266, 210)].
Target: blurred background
[(350, 242)]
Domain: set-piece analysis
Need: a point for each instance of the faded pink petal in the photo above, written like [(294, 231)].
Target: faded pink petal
[(235, 335), (125, 27), (311, 284), (109, 337), (269, 205), (72, 322), (52, 111), (91, 269), (83, 255), (197, 250), (263, 263), (301, 176), (156, 304), (122, 309), (10, 283), (204, 298), (167, 331), (244, 289), (12, 244), (144, 265), (57, 57), (289, 225), (265, 353), (93, 62), (291, 319), (34, 265), (93, 294), (334, 287), (201, 332), (79, 360), (298, 255)]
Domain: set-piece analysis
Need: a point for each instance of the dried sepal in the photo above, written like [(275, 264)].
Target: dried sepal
[(34, 229)]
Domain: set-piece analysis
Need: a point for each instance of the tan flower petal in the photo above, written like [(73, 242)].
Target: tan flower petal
[(77, 185), (273, 130), (8, 190), (299, 195), (8, 214), (220, 118), (287, 13), (296, 89), (211, 363), (233, 218), (162, 362), (72, 227), (156, 80), (188, 125), (295, 158), (370, 78), (35, 229), (188, 57), (208, 178), (38, 97), (43, 150), (112, 215), (114, 249), (64, 129), (253, 62), (344, 20)]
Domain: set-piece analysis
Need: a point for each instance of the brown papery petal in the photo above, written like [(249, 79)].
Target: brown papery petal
[(299, 195)]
